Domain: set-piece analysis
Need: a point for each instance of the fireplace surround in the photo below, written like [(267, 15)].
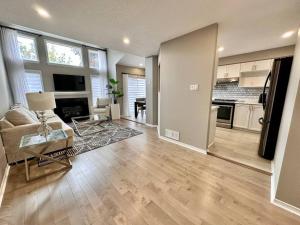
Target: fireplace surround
[(66, 108)]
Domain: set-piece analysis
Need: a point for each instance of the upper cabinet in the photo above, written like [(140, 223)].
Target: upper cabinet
[(257, 65), (229, 71), (250, 74)]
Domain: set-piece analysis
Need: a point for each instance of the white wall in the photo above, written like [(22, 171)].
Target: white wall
[(113, 57), (286, 119), (286, 178)]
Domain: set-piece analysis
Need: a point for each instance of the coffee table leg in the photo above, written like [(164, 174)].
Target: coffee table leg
[(27, 169)]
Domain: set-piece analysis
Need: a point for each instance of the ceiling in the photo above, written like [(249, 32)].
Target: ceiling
[(132, 60), (244, 26)]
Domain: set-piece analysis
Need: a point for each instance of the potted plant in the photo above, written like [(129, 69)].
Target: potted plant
[(113, 90), (115, 93)]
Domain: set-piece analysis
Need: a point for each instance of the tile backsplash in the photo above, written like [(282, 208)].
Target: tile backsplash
[(233, 91)]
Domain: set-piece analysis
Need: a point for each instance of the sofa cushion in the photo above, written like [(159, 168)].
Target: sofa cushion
[(20, 116), (4, 124)]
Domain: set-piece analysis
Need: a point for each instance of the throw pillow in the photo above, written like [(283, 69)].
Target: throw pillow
[(31, 114), (18, 117)]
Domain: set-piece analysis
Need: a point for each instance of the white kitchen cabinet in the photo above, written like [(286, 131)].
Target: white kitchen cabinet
[(241, 116), (233, 70), (256, 113), (257, 65), (263, 65), (229, 71), (221, 72), (246, 67), (253, 79), (246, 116)]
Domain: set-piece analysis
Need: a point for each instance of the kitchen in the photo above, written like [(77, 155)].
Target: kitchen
[(247, 97)]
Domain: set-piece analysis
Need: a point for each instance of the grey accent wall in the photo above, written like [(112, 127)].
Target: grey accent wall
[(233, 91), (49, 69), (152, 90), (259, 55), (287, 158), (5, 94), (186, 60), (121, 69)]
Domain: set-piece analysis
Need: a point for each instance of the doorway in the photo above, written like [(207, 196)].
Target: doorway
[(248, 137), (134, 99)]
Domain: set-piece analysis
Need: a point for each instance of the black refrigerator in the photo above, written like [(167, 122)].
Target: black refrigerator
[(273, 105)]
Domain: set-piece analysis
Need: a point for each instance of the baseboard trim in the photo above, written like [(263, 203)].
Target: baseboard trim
[(3, 183), (286, 206), (150, 125), (272, 186), (184, 145), (211, 144)]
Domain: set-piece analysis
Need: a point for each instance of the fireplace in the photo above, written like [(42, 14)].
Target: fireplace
[(66, 108)]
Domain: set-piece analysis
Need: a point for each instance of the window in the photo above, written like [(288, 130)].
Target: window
[(64, 54), (136, 89), (93, 59), (99, 89), (34, 80), (28, 48), (97, 60)]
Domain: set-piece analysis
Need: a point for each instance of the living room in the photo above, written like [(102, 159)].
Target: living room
[(109, 121)]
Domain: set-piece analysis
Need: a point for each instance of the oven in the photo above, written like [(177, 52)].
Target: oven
[(225, 113)]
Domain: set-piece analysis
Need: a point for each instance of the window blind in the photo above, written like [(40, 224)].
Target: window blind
[(34, 80), (136, 89), (99, 89)]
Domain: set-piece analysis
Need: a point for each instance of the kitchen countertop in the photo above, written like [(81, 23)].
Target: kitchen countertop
[(248, 102), (214, 107)]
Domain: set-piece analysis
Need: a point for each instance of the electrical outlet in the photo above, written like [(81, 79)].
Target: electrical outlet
[(194, 87)]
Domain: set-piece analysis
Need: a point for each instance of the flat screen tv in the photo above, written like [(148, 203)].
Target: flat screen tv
[(68, 82)]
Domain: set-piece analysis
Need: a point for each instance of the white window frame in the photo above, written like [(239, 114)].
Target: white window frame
[(66, 45), (39, 72), (36, 48)]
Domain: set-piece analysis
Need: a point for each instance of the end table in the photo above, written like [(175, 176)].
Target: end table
[(30, 142)]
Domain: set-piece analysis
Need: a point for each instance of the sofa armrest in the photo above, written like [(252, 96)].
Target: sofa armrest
[(11, 137)]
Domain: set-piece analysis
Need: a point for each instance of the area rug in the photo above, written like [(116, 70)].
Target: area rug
[(110, 133)]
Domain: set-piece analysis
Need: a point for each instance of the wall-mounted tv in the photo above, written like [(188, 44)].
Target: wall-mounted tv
[(68, 82)]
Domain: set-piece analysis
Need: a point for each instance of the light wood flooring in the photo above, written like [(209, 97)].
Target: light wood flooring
[(240, 147), (140, 119), (143, 180)]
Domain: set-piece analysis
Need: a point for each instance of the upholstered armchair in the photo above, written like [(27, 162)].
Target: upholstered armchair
[(103, 106)]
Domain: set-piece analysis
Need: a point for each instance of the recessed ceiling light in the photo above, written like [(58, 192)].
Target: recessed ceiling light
[(141, 64), (288, 34), (126, 41), (42, 12), (221, 49)]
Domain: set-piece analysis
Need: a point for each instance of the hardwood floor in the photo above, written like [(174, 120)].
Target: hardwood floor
[(143, 180), (240, 147)]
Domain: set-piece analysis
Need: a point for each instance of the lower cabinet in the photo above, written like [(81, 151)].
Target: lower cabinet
[(246, 116)]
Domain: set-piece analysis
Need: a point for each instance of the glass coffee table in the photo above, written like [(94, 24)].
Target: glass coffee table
[(86, 125)]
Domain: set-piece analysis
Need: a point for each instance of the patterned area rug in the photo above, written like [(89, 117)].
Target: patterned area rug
[(110, 133)]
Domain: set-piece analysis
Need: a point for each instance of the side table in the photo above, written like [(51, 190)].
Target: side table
[(30, 142)]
